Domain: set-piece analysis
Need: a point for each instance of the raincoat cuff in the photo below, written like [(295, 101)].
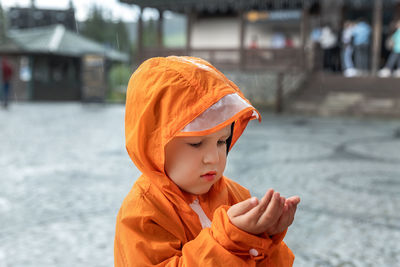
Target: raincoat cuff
[(277, 238), (240, 242)]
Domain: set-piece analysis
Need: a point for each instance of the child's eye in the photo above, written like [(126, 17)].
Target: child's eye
[(221, 142), (195, 144)]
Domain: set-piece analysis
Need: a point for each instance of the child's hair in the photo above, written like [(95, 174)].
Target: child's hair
[(229, 140)]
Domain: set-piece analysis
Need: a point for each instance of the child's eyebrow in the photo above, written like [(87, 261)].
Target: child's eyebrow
[(226, 135)]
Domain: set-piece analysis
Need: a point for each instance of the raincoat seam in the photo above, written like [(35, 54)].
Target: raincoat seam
[(196, 86), (121, 252)]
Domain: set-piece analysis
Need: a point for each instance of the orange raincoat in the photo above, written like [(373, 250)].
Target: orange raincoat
[(156, 225)]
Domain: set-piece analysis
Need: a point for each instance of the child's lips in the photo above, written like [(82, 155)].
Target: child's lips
[(209, 176)]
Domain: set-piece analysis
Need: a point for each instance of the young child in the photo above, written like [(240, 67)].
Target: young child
[(182, 118)]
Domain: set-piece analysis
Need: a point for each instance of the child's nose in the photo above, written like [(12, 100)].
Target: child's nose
[(211, 156)]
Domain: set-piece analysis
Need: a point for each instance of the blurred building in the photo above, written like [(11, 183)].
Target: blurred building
[(31, 17), (54, 63), (233, 34), (252, 40), (226, 32)]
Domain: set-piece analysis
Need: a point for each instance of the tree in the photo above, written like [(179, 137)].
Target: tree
[(95, 25), (121, 39), (105, 31), (3, 28), (150, 33), (119, 77)]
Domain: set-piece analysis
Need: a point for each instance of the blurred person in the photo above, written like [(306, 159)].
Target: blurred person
[(361, 42), (347, 50), (182, 210), (394, 57), (278, 40), (315, 35), (254, 42), (254, 55), (328, 42), (289, 42), (313, 43), (7, 73)]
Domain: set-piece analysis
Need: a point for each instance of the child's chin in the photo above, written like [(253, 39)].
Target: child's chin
[(195, 191), (201, 191)]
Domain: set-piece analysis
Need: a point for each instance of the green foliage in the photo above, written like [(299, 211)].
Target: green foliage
[(119, 77), (175, 40), (3, 28), (150, 33), (122, 40), (100, 29), (116, 96)]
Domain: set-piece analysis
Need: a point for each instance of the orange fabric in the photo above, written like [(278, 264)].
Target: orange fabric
[(155, 225)]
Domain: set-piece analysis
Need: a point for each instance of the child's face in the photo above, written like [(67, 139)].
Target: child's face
[(189, 159)]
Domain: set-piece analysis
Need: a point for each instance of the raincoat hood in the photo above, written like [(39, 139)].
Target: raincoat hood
[(169, 96)]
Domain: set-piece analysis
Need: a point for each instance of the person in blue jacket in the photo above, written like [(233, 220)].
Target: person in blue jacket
[(361, 42)]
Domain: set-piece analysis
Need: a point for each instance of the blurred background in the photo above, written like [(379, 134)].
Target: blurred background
[(325, 75)]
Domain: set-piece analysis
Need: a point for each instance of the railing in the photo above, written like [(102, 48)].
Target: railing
[(279, 61), (258, 58)]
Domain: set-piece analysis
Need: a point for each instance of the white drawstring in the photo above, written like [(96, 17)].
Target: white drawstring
[(204, 220)]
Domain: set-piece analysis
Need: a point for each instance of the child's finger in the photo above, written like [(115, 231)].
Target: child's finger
[(242, 207), (294, 200), (262, 206), (288, 215), (274, 210), (293, 209), (266, 200)]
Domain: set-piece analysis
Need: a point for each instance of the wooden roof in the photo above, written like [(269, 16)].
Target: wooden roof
[(218, 5), (57, 40), (235, 5)]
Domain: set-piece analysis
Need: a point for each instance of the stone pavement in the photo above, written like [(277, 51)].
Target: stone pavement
[(64, 172)]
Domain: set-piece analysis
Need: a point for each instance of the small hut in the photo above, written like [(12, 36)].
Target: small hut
[(54, 63)]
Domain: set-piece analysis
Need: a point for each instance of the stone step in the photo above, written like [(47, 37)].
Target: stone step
[(333, 94)]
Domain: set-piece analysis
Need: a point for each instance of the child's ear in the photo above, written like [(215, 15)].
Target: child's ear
[(229, 140)]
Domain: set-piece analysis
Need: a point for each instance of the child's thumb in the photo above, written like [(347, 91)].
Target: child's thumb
[(242, 207)]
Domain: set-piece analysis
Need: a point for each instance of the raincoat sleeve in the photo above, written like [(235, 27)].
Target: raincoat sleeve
[(146, 238), (262, 249)]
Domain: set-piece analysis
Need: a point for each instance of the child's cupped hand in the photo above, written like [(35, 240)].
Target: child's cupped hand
[(271, 215)]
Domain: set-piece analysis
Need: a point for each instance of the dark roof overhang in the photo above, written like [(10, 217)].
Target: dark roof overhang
[(221, 6)]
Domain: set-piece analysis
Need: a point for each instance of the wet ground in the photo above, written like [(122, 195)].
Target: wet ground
[(64, 172)]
